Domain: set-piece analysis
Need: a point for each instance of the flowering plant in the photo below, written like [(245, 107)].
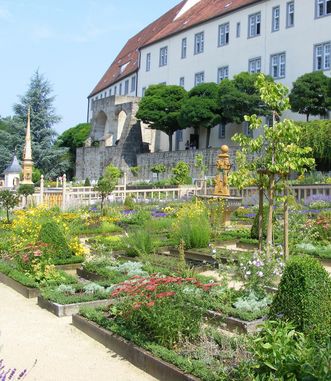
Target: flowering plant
[(158, 307), (261, 270)]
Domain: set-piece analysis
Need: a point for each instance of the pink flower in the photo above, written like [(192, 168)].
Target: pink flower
[(25, 258), (37, 253)]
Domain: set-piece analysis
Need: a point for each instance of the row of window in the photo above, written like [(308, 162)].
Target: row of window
[(323, 8), (277, 65), (126, 87)]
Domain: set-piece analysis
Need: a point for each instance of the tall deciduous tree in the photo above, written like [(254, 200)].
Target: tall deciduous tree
[(51, 160), (239, 97), (201, 108), (278, 148), (311, 95), (160, 108)]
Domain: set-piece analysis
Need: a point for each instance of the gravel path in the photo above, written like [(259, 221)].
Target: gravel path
[(63, 353)]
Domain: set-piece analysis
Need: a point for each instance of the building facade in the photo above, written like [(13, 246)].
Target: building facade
[(209, 40)]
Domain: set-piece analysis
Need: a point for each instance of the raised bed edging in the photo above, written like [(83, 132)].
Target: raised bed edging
[(235, 324), (27, 292), (88, 275), (61, 310), (69, 266), (139, 357)]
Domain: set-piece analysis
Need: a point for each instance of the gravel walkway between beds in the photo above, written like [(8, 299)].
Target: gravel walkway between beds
[(63, 353)]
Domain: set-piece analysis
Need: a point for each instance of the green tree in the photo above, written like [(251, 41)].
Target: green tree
[(160, 108), (316, 134), (181, 173), (12, 135), (239, 97), (107, 183), (158, 168), (275, 153), (8, 201), (201, 108), (72, 139), (51, 159), (310, 94)]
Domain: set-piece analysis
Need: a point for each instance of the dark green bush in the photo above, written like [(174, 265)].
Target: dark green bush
[(304, 296), (51, 234), (255, 226)]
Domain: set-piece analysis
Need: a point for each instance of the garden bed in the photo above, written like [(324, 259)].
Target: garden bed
[(88, 275), (139, 357), (236, 324), (27, 292), (61, 310)]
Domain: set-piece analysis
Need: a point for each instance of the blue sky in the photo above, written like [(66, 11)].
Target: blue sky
[(72, 42)]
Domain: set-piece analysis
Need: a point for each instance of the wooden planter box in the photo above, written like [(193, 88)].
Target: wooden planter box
[(195, 256), (69, 266), (61, 310), (82, 273), (235, 324), (27, 292), (139, 357), (247, 246)]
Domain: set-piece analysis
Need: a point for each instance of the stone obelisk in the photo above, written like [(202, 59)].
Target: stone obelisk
[(27, 155)]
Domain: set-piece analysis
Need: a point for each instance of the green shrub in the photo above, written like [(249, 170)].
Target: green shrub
[(129, 203), (192, 226), (87, 182), (181, 174), (304, 296), (139, 243), (255, 226), (51, 234)]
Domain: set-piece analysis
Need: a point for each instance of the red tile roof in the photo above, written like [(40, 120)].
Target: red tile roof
[(164, 27), (130, 53), (203, 11)]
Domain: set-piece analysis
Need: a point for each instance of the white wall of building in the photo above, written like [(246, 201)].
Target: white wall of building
[(297, 42)]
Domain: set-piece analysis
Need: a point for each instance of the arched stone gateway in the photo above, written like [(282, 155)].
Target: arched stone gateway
[(116, 137)]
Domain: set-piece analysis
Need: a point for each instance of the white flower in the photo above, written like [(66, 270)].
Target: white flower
[(248, 273), (260, 274), (214, 251)]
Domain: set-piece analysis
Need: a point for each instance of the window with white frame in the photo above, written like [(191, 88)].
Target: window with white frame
[(148, 61), (133, 83), (184, 48), (115, 90), (323, 8), (222, 73), (223, 34), (199, 78), (110, 92), (254, 65), (163, 56), (254, 25), (322, 56), (238, 30), (199, 43), (290, 14), (126, 87), (120, 89), (182, 81), (275, 18), (221, 131), (278, 65), (143, 90)]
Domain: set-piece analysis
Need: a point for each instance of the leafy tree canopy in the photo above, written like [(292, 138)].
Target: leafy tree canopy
[(201, 108), (311, 94), (239, 97), (160, 108)]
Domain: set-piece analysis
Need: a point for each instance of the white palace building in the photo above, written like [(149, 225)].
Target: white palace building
[(209, 40)]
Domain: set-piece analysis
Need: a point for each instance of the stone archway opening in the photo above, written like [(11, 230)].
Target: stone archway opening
[(120, 123), (100, 126)]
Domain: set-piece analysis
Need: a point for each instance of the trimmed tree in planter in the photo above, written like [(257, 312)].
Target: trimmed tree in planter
[(158, 168)]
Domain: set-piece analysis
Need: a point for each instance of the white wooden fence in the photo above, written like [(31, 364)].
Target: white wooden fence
[(70, 197)]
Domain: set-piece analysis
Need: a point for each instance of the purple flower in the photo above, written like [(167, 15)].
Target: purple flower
[(250, 215), (128, 212)]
